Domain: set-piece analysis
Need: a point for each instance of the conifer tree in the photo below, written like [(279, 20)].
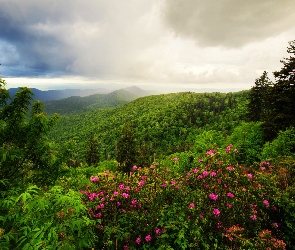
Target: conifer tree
[(92, 154), (258, 106), (126, 150)]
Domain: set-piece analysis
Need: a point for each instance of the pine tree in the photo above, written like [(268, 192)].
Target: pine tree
[(126, 150), (258, 106), (92, 154)]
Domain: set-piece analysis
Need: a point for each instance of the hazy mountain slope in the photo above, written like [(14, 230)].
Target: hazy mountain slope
[(48, 95), (164, 123), (77, 104)]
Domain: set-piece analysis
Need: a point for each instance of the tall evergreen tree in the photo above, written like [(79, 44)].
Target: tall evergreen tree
[(92, 153), (283, 111), (126, 150), (258, 106)]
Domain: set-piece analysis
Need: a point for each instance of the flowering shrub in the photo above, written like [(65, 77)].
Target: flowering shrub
[(217, 204)]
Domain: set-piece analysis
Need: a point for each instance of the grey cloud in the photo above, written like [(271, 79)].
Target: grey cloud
[(229, 23)]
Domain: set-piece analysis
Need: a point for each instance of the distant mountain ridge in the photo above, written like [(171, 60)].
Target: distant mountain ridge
[(78, 104), (48, 95)]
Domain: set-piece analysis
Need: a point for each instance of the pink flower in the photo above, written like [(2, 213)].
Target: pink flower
[(200, 160), (167, 169), (249, 176), (148, 238), (175, 159), (93, 179), (133, 202), (118, 203), (213, 174), (219, 224), (116, 193), (188, 174), (210, 152), (228, 148), (152, 167), (121, 186), (192, 205), (266, 203), (206, 185), (195, 170), (205, 173), (275, 224), (125, 195), (216, 211), (157, 231), (230, 167), (200, 176), (253, 217), (172, 182), (229, 205), (138, 240), (141, 183), (231, 195), (164, 185), (127, 188), (219, 181), (176, 187), (125, 247), (134, 167), (213, 196), (201, 216)]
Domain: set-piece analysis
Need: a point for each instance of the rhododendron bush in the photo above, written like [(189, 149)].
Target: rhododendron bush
[(216, 204)]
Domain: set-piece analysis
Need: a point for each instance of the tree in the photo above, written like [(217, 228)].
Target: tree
[(92, 153), (258, 106), (283, 92), (126, 150), (26, 153)]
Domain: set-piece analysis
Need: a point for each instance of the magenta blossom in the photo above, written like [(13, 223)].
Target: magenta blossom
[(157, 231), (175, 159), (213, 196), (266, 203), (116, 193), (253, 217), (201, 216), (205, 173), (231, 195), (216, 211), (148, 238), (134, 167), (152, 167), (93, 179), (125, 247), (192, 205), (141, 183), (138, 240), (213, 174), (249, 176)]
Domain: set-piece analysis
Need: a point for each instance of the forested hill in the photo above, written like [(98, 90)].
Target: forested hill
[(163, 124), (78, 104)]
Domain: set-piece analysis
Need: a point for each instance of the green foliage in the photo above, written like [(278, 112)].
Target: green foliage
[(248, 139), (45, 220), (258, 107), (217, 204), (126, 148), (207, 140), (274, 103), (92, 154), (283, 145), (25, 150), (164, 124)]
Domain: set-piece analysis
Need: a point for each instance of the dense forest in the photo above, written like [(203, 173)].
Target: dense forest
[(171, 171)]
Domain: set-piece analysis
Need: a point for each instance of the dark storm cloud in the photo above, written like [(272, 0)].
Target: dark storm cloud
[(229, 23), (37, 52)]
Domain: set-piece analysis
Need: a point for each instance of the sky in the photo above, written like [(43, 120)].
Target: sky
[(168, 45)]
